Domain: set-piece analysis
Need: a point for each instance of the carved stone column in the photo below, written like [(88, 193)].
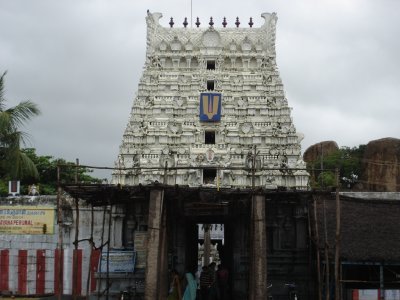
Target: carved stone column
[(156, 276), (207, 244), (258, 268), (118, 215)]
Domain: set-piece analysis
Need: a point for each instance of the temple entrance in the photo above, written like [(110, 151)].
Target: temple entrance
[(211, 244), (206, 243), (209, 241), (217, 233)]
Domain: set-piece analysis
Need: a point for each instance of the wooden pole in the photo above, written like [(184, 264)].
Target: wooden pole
[(91, 242), (101, 247), (76, 170), (108, 284), (322, 167), (165, 172), (75, 255), (60, 236), (381, 283), (253, 169), (252, 229), (337, 240), (317, 250), (327, 287)]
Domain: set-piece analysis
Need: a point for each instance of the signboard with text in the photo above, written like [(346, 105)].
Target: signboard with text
[(26, 219), (140, 242), (118, 261)]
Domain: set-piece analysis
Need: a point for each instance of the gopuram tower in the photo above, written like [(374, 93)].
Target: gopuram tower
[(210, 110)]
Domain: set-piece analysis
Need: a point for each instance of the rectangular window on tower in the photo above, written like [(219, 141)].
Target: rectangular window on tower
[(210, 64), (209, 176), (209, 137), (210, 85)]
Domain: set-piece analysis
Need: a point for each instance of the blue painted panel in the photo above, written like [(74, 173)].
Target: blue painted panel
[(210, 107)]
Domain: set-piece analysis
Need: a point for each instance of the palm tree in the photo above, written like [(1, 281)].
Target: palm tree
[(13, 162)]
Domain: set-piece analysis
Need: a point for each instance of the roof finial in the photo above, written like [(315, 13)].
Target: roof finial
[(185, 22), (211, 23), (237, 23), (197, 22), (171, 23), (224, 23), (251, 22)]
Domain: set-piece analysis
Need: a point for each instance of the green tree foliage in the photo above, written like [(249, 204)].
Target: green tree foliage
[(47, 170), (347, 160), (3, 187), (46, 182), (14, 163)]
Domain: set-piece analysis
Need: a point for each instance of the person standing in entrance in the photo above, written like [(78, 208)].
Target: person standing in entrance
[(205, 283), (175, 291), (222, 282), (213, 291), (191, 287)]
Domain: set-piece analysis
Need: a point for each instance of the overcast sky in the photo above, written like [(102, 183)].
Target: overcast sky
[(81, 61)]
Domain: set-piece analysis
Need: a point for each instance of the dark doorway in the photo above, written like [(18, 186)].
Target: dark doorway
[(210, 64), (209, 176), (228, 215), (210, 85), (209, 137), (222, 231)]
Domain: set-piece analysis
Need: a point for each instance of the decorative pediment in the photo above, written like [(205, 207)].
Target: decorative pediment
[(246, 45), (259, 46), (163, 46), (176, 45), (232, 46), (211, 39), (189, 46), (246, 127)]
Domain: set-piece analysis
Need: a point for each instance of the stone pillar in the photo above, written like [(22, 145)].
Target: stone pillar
[(258, 267), (156, 276), (207, 245), (163, 284), (117, 225)]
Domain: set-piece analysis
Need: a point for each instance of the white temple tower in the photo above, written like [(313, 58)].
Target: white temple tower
[(208, 100)]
